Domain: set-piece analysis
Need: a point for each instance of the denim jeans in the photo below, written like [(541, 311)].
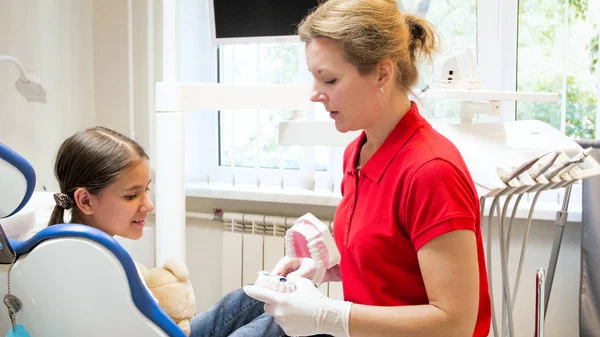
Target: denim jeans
[(236, 315)]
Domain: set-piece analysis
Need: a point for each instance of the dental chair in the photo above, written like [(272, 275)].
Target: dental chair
[(69, 279)]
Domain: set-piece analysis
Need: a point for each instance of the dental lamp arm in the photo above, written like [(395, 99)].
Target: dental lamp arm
[(17, 64)]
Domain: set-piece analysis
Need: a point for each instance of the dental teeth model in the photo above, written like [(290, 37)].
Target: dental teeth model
[(274, 282), (307, 238)]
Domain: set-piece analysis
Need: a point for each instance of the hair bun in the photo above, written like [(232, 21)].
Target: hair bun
[(417, 32), (422, 39)]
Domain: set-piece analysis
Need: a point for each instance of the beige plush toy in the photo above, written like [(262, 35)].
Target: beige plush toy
[(172, 289)]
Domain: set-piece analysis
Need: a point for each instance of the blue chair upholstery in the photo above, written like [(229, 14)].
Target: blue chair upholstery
[(23, 166)]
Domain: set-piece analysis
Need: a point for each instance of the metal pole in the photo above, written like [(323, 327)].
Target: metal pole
[(561, 221)]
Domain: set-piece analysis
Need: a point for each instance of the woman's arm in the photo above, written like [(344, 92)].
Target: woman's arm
[(450, 272)]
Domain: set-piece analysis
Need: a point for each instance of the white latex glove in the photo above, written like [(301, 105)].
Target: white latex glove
[(306, 311), (307, 268)]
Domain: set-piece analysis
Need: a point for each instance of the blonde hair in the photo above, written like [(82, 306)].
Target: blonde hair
[(369, 31)]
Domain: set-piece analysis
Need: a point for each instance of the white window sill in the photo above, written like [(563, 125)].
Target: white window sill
[(299, 196), (289, 195)]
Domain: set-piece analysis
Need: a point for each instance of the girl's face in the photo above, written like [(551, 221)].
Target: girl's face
[(121, 208)]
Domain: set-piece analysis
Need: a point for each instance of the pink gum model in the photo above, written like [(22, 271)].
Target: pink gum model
[(309, 237)]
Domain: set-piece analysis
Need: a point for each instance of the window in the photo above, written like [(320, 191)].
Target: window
[(558, 52), (249, 138)]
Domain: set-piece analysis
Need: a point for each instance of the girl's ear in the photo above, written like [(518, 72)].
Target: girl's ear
[(83, 199)]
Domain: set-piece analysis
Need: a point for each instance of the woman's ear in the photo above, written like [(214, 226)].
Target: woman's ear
[(82, 198), (385, 72)]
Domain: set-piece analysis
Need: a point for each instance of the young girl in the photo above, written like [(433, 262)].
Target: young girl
[(104, 178)]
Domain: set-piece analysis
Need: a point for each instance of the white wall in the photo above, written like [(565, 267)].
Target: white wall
[(112, 65), (78, 48), (53, 39), (111, 70)]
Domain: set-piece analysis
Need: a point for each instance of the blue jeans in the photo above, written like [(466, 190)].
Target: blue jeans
[(236, 315)]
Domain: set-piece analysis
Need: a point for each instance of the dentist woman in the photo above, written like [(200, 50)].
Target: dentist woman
[(408, 225)]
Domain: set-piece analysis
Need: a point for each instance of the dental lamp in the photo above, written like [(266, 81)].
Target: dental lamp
[(31, 90)]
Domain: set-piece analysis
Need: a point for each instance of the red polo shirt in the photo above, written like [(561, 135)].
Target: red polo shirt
[(415, 188)]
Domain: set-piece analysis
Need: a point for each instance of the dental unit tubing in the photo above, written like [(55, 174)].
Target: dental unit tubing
[(528, 178), (527, 183), (559, 171)]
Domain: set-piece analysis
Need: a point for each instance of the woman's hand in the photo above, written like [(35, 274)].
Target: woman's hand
[(307, 268), (306, 311)]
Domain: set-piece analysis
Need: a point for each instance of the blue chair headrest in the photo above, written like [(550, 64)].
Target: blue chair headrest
[(17, 181)]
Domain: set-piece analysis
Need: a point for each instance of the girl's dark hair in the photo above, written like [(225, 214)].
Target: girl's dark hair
[(92, 159)]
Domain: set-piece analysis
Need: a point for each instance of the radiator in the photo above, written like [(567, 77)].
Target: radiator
[(252, 243)]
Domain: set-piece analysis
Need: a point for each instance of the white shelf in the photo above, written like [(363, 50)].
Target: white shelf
[(313, 133), (183, 97), (491, 95)]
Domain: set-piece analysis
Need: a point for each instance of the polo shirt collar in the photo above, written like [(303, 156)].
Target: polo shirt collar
[(379, 162)]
